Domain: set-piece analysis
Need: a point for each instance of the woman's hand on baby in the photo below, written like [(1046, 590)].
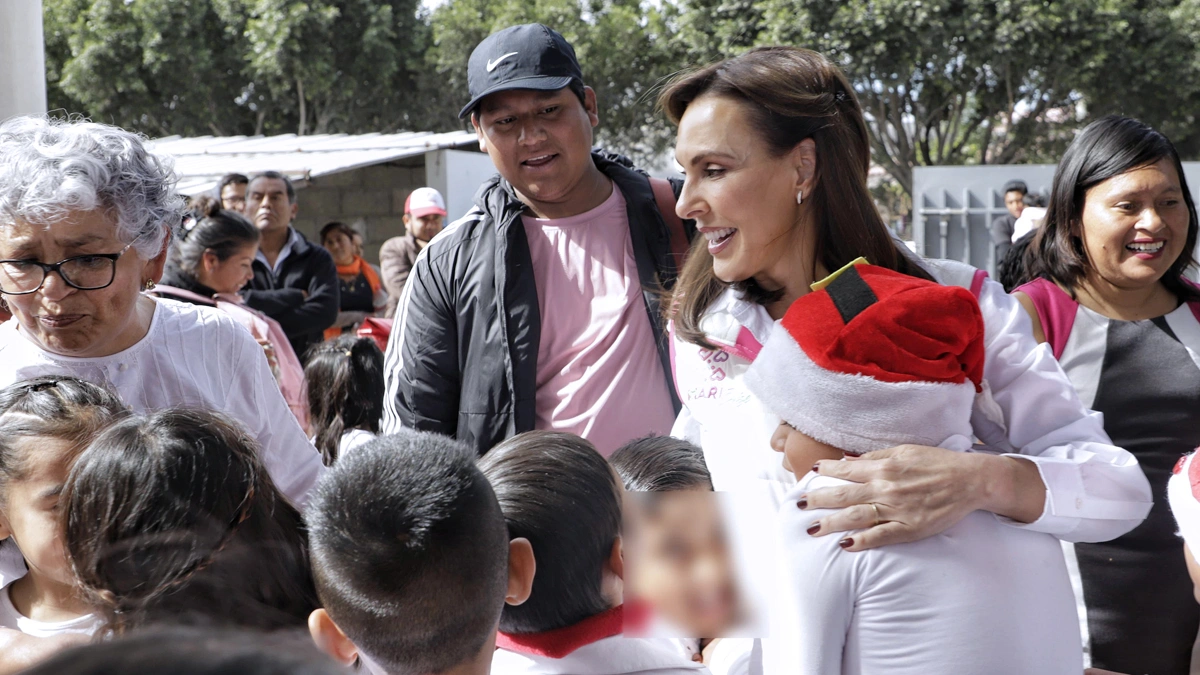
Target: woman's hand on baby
[(903, 494)]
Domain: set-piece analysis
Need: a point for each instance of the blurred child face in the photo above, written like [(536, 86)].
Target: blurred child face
[(800, 451), (679, 561), (29, 512)]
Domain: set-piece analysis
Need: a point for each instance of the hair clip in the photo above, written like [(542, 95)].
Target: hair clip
[(840, 95), (347, 352)]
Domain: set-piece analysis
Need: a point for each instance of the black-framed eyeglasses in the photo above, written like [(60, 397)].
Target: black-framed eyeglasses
[(85, 272)]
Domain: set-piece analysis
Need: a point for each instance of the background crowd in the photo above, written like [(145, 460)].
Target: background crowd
[(497, 450)]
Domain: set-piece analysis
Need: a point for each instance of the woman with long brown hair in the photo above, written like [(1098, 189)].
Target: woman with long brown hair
[(776, 153)]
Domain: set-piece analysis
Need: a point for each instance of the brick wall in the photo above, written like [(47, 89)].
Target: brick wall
[(370, 199)]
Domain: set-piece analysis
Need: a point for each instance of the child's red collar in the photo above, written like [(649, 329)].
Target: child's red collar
[(560, 642)]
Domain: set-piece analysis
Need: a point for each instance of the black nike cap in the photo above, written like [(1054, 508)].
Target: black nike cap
[(529, 56)]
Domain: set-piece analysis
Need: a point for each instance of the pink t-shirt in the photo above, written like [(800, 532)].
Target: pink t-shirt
[(598, 373)]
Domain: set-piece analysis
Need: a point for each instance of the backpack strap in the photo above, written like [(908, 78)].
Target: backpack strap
[(664, 197), (1055, 309), (977, 280), (183, 294)]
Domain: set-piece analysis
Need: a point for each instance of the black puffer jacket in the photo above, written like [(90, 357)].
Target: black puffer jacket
[(462, 359), (303, 297)]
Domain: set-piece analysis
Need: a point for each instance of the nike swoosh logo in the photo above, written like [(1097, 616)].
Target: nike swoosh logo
[(491, 65)]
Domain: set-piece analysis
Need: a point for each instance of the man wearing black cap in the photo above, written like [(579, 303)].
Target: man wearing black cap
[(540, 309), (1002, 226)]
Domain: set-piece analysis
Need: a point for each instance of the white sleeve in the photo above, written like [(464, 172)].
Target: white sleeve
[(811, 615), (254, 399), (1095, 491)]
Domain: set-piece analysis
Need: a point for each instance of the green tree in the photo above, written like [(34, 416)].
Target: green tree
[(235, 66), (342, 64), (952, 81), (158, 66), (1147, 67), (980, 81)]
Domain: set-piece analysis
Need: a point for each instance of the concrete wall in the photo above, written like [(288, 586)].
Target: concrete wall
[(370, 199), (457, 174), (22, 58)]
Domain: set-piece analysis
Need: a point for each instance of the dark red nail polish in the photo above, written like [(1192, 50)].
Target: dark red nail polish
[(803, 503), (817, 468), (814, 528), (846, 543)]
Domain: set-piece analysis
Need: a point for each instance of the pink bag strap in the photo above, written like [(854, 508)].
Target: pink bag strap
[(1055, 309), (182, 293), (977, 282)]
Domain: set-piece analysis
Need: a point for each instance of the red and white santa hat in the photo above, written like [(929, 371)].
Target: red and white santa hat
[(873, 359), (1183, 494)]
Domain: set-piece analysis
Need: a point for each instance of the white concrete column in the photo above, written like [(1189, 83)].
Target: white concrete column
[(22, 58)]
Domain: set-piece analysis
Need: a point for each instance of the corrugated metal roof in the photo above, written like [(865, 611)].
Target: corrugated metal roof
[(201, 161)]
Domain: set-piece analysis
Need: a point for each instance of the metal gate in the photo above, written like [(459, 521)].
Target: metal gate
[(954, 206)]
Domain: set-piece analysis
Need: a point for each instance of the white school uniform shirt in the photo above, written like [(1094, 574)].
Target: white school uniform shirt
[(979, 598), (87, 624), (616, 655), (1031, 219), (192, 356), (350, 440), (1095, 491)]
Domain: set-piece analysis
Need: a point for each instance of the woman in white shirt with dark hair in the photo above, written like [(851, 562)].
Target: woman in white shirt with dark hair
[(85, 213), (776, 154)]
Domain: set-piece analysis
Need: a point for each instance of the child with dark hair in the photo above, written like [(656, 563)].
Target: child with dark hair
[(193, 651), (661, 464), (170, 517), (411, 558), (558, 492), (678, 557), (44, 425), (344, 379), (1013, 270)]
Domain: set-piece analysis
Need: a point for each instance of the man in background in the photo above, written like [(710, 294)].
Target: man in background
[(231, 190), (424, 213), (295, 282), (1003, 226)]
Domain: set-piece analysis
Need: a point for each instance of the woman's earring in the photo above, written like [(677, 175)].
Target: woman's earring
[(149, 285), (800, 197)]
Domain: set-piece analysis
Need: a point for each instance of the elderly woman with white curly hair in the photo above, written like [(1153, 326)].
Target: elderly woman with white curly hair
[(85, 217)]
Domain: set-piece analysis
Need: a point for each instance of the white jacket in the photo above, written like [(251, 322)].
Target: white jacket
[(1095, 491)]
